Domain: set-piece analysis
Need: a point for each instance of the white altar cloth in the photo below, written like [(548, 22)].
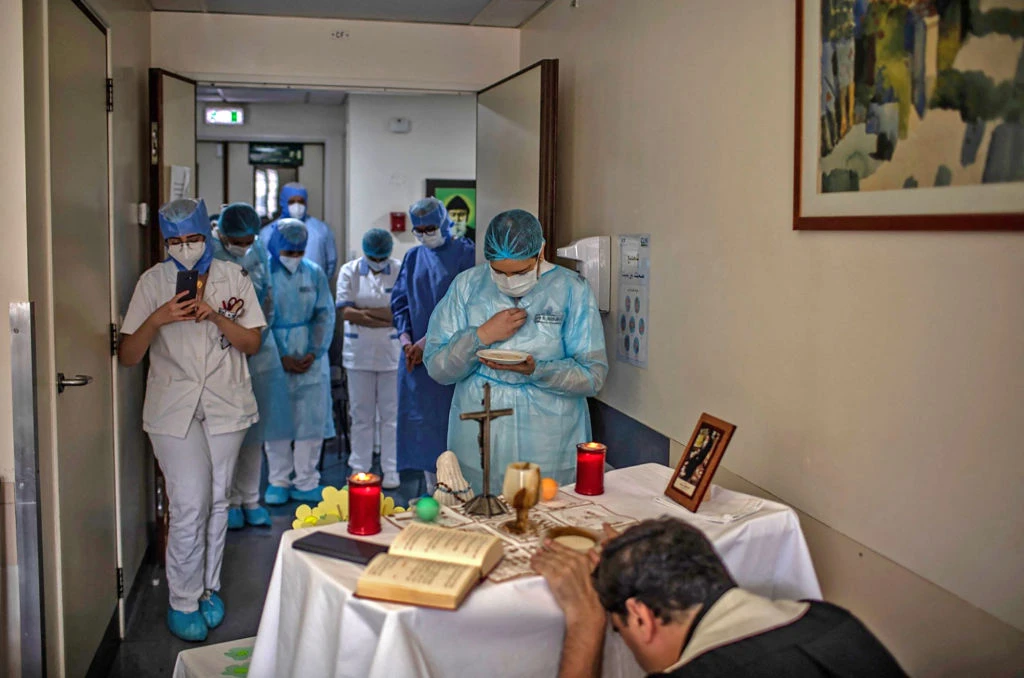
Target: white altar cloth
[(312, 625)]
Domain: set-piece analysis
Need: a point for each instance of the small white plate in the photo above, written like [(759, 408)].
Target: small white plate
[(502, 357)]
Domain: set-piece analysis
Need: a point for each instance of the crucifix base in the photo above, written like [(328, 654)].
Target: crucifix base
[(484, 505)]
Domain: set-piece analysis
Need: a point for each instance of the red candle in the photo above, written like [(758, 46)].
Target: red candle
[(590, 468), (364, 504)]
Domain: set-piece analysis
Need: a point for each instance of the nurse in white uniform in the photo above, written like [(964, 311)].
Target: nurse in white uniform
[(371, 352), (199, 402)]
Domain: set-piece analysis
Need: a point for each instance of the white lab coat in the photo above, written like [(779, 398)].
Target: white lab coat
[(372, 349), (188, 362)]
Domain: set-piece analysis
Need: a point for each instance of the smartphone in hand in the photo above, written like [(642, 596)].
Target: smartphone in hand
[(188, 281)]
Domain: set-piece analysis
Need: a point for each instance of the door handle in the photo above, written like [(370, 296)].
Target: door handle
[(77, 380)]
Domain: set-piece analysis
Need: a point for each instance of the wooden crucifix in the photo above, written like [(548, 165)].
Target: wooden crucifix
[(485, 504)]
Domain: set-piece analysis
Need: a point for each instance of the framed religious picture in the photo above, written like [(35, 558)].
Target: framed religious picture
[(459, 198), (909, 115), (699, 462)]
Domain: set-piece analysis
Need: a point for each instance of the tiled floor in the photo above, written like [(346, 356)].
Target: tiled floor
[(149, 649)]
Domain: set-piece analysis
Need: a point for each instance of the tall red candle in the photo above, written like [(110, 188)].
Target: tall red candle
[(590, 468), (364, 504)]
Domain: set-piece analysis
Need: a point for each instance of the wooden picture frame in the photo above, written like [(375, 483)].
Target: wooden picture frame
[(704, 451), (871, 200)]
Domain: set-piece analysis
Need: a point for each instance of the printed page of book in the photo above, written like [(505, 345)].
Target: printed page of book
[(431, 582), (450, 545)]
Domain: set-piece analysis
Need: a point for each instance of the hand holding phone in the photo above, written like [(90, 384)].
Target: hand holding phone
[(177, 310)]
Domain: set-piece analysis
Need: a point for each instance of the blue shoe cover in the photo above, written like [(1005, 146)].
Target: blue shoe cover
[(257, 516), (314, 495), (187, 625), (236, 519), (275, 496), (212, 608)]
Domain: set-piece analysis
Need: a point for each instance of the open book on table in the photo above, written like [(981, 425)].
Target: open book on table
[(430, 566)]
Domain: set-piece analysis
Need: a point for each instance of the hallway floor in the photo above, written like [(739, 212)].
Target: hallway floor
[(149, 649)]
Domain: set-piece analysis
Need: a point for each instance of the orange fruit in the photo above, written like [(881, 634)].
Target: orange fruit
[(548, 488)]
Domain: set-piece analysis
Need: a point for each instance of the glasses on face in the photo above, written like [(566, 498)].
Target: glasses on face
[(192, 238), (425, 230)]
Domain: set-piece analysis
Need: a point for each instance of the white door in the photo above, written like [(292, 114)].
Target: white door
[(516, 143), (87, 550)]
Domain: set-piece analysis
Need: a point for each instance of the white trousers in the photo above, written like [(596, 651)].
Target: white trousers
[(373, 395), (282, 461), (245, 490), (198, 469)]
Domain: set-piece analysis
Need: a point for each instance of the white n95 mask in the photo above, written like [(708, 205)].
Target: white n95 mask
[(291, 263), (187, 254), (237, 251), (517, 285), (377, 266), (431, 240), (296, 210)]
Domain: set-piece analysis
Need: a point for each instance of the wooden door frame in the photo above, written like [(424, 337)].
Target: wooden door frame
[(548, 181), (156, 155)]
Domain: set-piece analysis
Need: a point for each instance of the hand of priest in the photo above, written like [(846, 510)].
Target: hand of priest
[(567, 573)]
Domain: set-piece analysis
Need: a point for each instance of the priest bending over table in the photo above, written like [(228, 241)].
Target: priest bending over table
[(670, 597)]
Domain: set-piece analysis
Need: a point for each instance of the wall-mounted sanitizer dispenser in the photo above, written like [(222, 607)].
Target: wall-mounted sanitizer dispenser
[(593, 261)]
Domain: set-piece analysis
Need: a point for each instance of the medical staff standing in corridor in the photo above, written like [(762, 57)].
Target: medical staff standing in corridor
[(236, 240), (519, 301), (303, 328), (199, 401), (371, 353), (427, 271)]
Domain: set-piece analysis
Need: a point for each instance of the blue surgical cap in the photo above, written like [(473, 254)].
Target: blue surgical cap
[(183, 217), (378, 243), (239, 220), (431, 212), (186, 216), (289, 236), (515, 234), (289, 191)]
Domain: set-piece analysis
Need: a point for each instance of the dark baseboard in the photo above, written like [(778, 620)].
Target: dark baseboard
[(106, 653), (629, 442)]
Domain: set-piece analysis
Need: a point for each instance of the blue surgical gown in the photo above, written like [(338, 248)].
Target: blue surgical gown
[(423, 404), (320, 247), (303, 324), (268, 377), (564, 334)]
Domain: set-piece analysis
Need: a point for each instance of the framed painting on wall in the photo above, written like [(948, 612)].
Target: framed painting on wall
[(459, 198), (909, 115)]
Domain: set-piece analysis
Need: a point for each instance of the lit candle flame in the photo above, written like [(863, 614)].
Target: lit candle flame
[(594, 446), (361, 477)]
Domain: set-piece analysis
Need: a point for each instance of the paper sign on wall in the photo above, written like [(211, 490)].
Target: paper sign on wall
[(181, 179), (634, 323)]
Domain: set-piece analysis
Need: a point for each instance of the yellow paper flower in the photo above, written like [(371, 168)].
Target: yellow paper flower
[(335, 502), (387, 506), (304, 517), (326, 515)]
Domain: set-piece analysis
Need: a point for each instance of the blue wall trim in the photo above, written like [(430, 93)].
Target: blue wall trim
[(629, 442)]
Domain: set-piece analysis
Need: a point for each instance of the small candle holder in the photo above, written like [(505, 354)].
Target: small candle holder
[(590, 459), (364, 492)]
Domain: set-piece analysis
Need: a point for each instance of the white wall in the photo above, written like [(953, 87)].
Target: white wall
[(236, 48), (387, 172), (305, 123), (876, 378)]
